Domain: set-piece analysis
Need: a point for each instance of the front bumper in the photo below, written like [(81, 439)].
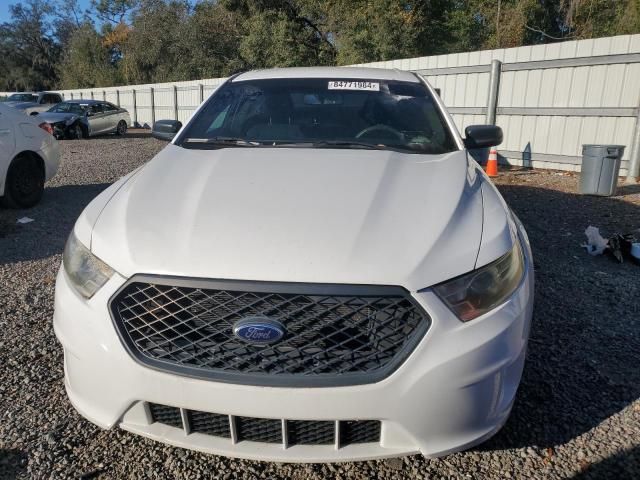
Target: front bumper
[(455, 390)]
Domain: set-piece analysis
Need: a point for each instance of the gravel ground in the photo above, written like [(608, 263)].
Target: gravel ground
[(578, 410)]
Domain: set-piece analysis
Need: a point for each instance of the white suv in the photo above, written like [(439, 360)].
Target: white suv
[(313, 270)]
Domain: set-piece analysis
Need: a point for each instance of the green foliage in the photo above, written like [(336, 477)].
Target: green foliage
[(53, 43)]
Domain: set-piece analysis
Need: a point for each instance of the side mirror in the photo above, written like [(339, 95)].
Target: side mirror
[(165, 129), (482, 136)]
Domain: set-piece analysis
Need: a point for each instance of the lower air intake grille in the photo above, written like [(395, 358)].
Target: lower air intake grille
[(209, 423), (332, 335), (167, 415), (309, 432), (362, 431), (267, 430), (259, 430)]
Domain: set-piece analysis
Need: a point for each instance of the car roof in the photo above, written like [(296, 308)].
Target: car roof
[(359, 73), (85, 102)]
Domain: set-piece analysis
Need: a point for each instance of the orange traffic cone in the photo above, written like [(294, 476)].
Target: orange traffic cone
[(492, 163)]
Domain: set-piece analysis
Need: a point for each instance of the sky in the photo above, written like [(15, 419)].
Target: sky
[(6, 16)]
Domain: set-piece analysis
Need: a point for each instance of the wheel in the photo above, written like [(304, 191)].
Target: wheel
[(75, 132), (25, 182), (121, 129)]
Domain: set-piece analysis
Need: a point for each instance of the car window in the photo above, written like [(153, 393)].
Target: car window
[(65, 107), (109, 107), (95, 109), (313, 112), (22, 97)]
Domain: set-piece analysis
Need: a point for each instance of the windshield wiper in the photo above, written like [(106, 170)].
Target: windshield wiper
[(222, 141), (347, 144)]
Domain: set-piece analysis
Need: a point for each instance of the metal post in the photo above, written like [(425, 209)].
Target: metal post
[(71, 95), (633, 170), (494, 87), (118, 97), (175, 102), (135, 108), (153, 107), (201, 93), (104, 95), (92, 95)]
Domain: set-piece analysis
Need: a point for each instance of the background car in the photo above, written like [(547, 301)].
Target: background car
[(85, 118), (33, 102), (29, 156)]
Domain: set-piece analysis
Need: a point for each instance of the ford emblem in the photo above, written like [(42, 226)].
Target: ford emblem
[(258, 329)]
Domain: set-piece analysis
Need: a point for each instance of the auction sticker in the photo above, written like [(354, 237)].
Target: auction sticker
[(354, 85)]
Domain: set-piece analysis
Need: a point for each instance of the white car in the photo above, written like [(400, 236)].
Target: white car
[(33, 103), (314, 269), (29, 156)]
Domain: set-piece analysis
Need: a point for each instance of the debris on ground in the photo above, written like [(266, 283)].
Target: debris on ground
[(596, 244), (25, 220), (619, 246)]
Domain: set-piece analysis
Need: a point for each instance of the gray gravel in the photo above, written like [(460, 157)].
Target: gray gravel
[(578, 409)]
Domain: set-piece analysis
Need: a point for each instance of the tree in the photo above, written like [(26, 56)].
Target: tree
[(29, 51)]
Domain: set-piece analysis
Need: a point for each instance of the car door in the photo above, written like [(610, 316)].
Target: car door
[(7, 146), (111, 117), (96, 119)]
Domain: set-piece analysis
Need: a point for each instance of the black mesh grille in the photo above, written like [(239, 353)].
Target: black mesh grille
[(362, 431), (331, 338), (310, 432), (265, 430), (167, 415), (209, 423), (259, 429)]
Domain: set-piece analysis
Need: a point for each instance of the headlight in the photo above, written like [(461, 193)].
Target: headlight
[(86, 271), (482, 290)]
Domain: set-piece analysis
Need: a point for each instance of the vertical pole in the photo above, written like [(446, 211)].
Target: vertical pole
[(494, 87), (201, 93), (633, 170), (175, 102), (118, 97), (153, 107), (92, 95), (135, 108), (104, 95), (71, 95)]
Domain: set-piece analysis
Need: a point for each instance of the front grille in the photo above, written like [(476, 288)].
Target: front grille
[(335, 334), (267, 430)]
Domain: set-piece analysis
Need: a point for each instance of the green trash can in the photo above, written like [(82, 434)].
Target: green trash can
[(600, 169)]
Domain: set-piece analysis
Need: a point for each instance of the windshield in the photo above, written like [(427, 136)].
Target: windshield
[(65, 107), (22, 97), (318, 113)]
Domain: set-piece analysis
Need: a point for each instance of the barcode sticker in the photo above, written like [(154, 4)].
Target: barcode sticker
[(351, 85)]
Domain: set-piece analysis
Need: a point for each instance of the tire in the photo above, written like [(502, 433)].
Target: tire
[(25, 182), (76, 132), (121, 129)]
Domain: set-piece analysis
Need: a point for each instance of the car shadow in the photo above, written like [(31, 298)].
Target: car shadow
[(53, 218), (625, 465), (584, 346), (12, 463)]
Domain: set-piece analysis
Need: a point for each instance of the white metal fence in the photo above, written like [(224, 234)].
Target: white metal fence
[(549, 99)]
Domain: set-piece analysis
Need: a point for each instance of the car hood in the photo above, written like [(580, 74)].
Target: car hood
[(54, 117), (293, 214)]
